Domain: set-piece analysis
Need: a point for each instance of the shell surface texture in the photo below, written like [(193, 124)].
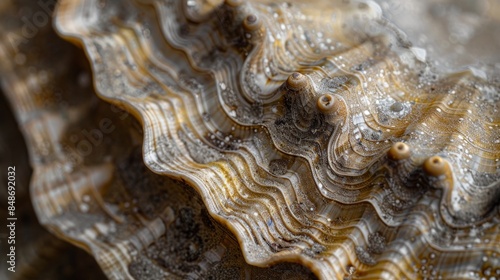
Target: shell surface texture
[(314, 133)]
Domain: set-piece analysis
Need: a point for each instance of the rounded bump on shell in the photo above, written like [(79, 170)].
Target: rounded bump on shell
[(296, 81), (399, 151), (326, 103), (435, 166), (252, 22)]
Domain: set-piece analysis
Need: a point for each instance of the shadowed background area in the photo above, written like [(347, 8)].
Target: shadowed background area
[(39, 255)]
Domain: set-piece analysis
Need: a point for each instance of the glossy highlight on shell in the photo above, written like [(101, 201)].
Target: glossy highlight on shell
[(313, 133)]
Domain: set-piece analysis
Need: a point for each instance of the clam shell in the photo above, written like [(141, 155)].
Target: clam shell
[(316, 133), (232, 100)]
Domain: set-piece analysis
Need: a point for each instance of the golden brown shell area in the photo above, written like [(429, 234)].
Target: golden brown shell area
[(230, 99)]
